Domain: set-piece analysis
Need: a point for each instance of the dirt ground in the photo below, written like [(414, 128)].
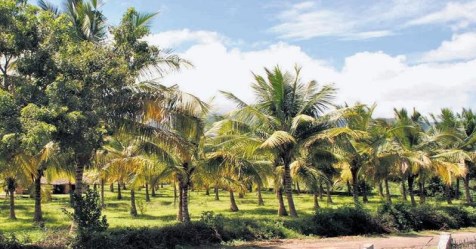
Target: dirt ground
[(422, 240)]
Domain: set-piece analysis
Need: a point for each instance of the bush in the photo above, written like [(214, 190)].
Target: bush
[(249, 229), (403, 217), (12, 242), (87, 213), (192, 234), (342, 221), (142, 206), (398, 217)]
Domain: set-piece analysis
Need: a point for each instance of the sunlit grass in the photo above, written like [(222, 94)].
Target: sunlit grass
[(162, 210)]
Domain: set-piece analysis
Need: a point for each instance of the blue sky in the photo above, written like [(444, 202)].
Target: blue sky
[(400, 53)]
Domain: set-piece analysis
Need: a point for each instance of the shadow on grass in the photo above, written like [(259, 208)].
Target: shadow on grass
[(116, 205), (263, 211)]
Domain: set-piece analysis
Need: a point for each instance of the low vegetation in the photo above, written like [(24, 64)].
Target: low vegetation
[(213, 222)]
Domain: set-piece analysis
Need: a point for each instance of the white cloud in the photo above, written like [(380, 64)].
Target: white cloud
[(460, 47), (307, 20), (458, 15), (175, 38), (367, 77)]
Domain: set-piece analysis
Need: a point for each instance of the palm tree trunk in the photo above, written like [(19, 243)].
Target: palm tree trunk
[(184, 182), (133, 203), (411, 180), (457, 193), (404, 190), (175, 196), (282, 209), (12, 204), (316, 201), (421, 190), (355, 186), (288, 186), (448, 194), (111, 187), (179, 212), (147, 197), (298, 189), (467, 192), (124, 186), (380, 189), (38, 215), (321, 191), (233, 206), (260, 197), (152, 190), (241, 195), (207, 191), (119, 192), (349, 189), (365, 199), (185, 213), (102, 193), (216, 190), (387, 191), (329, 197)]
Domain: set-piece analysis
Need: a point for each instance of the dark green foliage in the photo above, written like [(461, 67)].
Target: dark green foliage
[(435, 187), (364, 186), (402, 217), (249, 229), (343, 221), (87, 214), (242, 229), (192, 234), (397, 217)]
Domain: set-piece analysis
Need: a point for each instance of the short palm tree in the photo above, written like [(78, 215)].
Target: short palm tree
[(281, 115), (34, 165)]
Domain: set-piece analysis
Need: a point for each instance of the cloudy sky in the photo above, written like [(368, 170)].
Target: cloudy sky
[(400, 53)]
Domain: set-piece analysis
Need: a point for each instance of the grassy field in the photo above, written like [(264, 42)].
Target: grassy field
[(162, 211)]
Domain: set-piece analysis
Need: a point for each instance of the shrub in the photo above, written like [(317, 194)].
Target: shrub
[(142, 206), (342, 221), (398, 217), (403, 217), (87, 213), (12, 242), (192, 234)]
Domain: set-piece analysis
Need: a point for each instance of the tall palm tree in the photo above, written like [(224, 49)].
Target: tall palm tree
[(353, 142), (410, 137), (88, 21), (282, 113), (461, 137), (468, 123)]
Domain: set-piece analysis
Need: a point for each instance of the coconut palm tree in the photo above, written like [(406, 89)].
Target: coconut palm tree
[(175, 124), (129, 161), (410, 137), (283, 105), (34, 165), (461, 137), (234, 170), (88, 21), (468, 123)]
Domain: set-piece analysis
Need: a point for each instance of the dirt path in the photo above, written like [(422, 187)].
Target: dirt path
[(424, 240)]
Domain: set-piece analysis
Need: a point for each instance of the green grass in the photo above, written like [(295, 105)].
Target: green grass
[(162, 210)]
